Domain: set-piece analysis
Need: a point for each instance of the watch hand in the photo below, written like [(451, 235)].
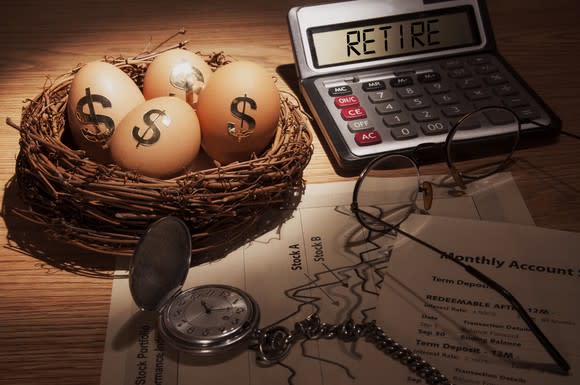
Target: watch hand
[(222, 308), (207, 308)]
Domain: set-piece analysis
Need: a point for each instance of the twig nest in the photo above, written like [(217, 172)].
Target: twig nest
[(104, 208)]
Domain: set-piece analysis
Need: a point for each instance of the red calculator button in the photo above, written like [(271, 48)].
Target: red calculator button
[(352, 113), (367, 138), (346, 101)]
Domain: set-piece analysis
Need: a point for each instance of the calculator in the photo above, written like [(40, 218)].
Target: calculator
[(386, 76)]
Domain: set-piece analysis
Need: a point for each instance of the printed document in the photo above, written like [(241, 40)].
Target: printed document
[(459, 325), (321, 255)]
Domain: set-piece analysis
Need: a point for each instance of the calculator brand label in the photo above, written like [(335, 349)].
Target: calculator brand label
[(246, 122)]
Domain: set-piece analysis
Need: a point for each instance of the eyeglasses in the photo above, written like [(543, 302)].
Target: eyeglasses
[(381, 207)]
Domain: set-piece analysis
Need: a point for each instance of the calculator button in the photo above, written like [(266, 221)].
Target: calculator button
[(434, 128), (437, 88), (495, 79), (468, 83), (485, 69), (380, 96), (492, 102), (452, 64), (515, 101), (360, 125), (339, 91), (478, 60), (346, 101), (367, 138), (446, 99), (477, 94), (394, 120), (401, 81), (497, 117), (454, 111), (429, 77), (408, 92), (417, 103), (470, 123), (374, 85), (425, 115), (459, 73), (352, 113), (505, 90), (388, 108), (402, 133), (527, 113)]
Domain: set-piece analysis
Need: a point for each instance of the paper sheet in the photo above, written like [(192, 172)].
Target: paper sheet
[(466, 330), (320, 253)]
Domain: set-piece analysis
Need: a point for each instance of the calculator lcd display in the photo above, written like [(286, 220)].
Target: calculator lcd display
[(393, 36)]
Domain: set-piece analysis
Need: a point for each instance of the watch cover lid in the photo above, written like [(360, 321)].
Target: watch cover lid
[(160, 263)]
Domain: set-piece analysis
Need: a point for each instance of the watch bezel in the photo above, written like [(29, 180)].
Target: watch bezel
[(210, 346)]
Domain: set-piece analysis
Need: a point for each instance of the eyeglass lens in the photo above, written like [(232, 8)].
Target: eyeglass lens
[(473, 160), (383, 199)]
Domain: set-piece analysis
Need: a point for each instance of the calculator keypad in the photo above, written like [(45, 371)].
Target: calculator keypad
[(398, 108)]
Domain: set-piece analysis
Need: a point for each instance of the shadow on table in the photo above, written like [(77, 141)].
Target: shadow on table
[(26, 237), (31, 239)]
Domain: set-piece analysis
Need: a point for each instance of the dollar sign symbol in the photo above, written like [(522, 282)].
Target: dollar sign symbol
[(91, 128), (146, 138), (242, 132)]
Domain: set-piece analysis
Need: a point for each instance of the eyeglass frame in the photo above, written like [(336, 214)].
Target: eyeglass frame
[(560, 361), (459, 177)]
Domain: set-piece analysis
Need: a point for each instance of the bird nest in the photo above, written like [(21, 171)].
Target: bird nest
[(103, 208)]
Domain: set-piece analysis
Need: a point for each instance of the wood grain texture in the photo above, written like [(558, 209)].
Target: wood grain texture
[(53, 315)]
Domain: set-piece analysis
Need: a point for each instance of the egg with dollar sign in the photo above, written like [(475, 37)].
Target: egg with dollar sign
[(100, 96), (238, 110), (159, 138)]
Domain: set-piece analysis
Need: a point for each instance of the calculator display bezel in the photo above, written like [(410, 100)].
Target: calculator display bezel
[(301, 20), (466, 10)]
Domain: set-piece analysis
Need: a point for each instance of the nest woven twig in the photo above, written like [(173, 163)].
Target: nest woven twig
[(105, 209)]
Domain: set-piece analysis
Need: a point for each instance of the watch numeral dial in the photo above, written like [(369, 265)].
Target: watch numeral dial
[(208, 318)]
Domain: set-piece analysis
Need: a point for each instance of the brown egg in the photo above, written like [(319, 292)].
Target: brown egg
[(176, 72), (238, 111), (99, 98), (159, 138)]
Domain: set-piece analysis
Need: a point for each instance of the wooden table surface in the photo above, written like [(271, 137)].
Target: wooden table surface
[(53, 320)]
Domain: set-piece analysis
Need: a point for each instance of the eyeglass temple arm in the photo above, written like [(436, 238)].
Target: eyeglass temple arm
[(550, 349)]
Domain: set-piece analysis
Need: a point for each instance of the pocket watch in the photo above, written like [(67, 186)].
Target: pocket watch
[(209, 319), (202, 320), (213, 319)]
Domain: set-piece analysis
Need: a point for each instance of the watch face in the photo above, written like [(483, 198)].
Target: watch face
[(209, 319)]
